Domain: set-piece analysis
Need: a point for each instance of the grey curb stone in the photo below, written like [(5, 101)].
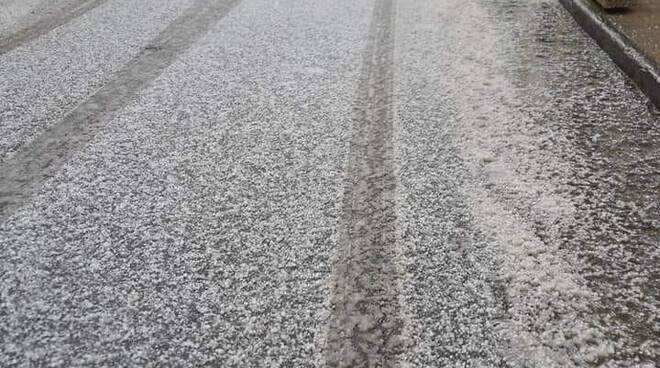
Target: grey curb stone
[(639, 67)]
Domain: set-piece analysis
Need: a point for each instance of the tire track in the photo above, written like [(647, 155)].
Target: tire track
[(47, 24), (26, 171), (366, 326)]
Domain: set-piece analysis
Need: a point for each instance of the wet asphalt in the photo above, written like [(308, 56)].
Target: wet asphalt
[(377, 183)]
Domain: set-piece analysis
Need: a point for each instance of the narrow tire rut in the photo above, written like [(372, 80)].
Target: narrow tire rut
[(366, 326)]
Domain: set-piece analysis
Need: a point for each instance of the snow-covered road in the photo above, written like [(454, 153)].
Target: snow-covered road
[(288, 183)]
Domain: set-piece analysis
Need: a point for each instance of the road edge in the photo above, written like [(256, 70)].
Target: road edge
[(621, 49)]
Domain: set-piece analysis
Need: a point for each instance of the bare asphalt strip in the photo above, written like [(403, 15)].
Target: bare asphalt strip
[(366, 326), (35, 163), (45, 25)]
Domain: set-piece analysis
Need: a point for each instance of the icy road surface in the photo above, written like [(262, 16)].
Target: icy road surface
[(289, 183)]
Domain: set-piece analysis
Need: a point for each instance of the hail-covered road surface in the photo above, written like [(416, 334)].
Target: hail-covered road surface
[(289, 183)]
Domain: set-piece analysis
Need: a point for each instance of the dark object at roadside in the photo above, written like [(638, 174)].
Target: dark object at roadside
[(624, 52), (615, 4)]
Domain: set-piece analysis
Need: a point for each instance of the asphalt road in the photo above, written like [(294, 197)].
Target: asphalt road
[(283, 183)]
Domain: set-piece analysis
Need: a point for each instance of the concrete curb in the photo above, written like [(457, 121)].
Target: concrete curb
[(640, 68)]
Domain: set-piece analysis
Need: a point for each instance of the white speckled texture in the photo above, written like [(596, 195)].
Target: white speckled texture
[(24, 21), (199, 225), (496, 231), (16, 13), (45, 78)]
